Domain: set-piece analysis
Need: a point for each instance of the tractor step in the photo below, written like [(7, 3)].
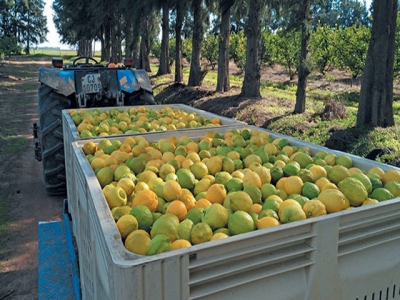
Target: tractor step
[(58, 276)]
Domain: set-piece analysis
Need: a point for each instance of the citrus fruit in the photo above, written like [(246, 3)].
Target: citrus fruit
[(264, 173), (376, 171), (126, 224), (287, 202), (234, 184), (393, 187), (238, 201), (369, 201), (214, 165), (143, 215), (291, 213), (172, 190), (215, 215), (137, 242), (293, 185), (240, 222), (381, 194), (201, 233), (218, 236), (105, 176), (127, 185), (391, 175), (159, 244), (354, 190), (184, 229), (119, 211), (303, 159), (115, 197), (216, 193), (179, 244), (292, 168), (337, 173), (166, 224), (177, 208), (344, 160), (251, 178), (310, 190), (202, 202), (333, 199), (268, 212), (195, 214), (147, 198), (222, 177), (314, 208), (364, 180), (266, 222), (318, 172), (165, 169), (254, 193), (199, 170)]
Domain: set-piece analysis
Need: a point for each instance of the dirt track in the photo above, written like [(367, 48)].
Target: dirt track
[(23, 200)]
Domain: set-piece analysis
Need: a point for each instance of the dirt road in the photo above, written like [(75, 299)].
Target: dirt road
[(23, 200)]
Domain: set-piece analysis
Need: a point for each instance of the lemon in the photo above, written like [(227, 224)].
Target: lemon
[(314, 208), (310, 190), (199, 170), (264, 173), (222, 177), (216, 193), (391, 175), (344, 160), (293, 185), (254, 193), (218, 236), (172, 190), (186, 178), (165, 169), (333, 199), (364, 180), (228, 165), (126, 224), (381, 194), (268, 212), (89, 148), (136, 164), (330, 159), (184, 229), (318, 172), (276, 173), (105, 176), (118, 212), (240, 222), (238, 201), (393, 187), (354, 190), (195, 214), (337, 173), (179, 244), (127, 185), (147, 198), (143, 215), (201, 186), (250, 159), (234, 184), (292, 213), (215, 215), (266, 222), (303, 159), (369, 201), (137, 242), (251, 178), (214, 165), (201, 233), (159, 244), (288, 202), (167, 224), (292, 168), (115, 197)]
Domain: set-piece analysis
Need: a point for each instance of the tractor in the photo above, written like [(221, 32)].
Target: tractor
[(83, 84)]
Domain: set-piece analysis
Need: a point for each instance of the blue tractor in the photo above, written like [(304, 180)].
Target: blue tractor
[(84, 84)]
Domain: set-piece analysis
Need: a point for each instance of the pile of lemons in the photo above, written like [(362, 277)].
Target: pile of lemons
[(177, 192), (137, 119)]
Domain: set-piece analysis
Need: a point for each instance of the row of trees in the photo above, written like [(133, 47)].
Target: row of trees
[(22, 24), (136, 24)]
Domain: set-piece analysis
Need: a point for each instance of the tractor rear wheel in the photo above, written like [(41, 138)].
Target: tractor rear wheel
[(50, 137), (141, 98)]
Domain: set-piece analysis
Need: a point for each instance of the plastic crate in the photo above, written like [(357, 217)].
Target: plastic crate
[(70, 134), (352, 254)]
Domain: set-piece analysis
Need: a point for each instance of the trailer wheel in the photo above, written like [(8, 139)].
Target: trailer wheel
[(141, 98), (50, 138)]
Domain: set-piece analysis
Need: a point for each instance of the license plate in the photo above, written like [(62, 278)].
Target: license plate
[(91, 83)]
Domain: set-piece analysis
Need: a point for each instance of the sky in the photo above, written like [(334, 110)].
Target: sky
[(53, 39)]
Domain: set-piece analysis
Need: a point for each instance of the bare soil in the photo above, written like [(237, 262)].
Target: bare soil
[(23, 200)]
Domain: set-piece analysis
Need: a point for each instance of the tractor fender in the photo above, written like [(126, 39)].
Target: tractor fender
[(63, 82), (133, 80)]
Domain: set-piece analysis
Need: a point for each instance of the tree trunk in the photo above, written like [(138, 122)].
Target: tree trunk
[(223, 84), (106, 45), (178, 30), (164, 67), (304, 68), (376, 96), (144, 44), (251, 83), (195, 77)]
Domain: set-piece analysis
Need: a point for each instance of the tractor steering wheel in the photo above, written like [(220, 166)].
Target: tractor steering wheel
[(87, 59)]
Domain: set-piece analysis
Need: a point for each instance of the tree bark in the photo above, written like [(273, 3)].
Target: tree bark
[(251, 83), (195, 77), (164, 67), (376, 96), (223, 83), (144, 45), (178, 31), (304, 69)]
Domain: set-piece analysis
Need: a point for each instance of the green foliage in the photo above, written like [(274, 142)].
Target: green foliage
[(351, 46), (322, 47), (268, 47), (187, 49), (8, 46), (237, 48), (155, 49), (397, 49), (288, 50), (210, 49)]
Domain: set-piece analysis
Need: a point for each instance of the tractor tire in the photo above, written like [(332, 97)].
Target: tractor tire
[(141, 98), (50, 137)]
